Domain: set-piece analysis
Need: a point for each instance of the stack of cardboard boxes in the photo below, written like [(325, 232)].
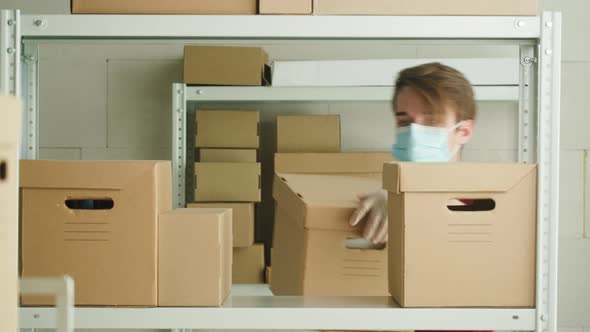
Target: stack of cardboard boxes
[(110, 226), (308, 7), (228, 175)]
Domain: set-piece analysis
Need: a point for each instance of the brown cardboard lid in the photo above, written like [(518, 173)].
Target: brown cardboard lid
[(453, 177), (322, 201), (83, 174), (332, 163)]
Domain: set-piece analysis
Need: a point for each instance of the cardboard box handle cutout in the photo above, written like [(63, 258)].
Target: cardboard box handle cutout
[(90, 204), (471, 205), (360, 243), (3, 171)]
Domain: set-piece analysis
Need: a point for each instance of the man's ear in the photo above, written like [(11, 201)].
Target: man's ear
[(465, 132)]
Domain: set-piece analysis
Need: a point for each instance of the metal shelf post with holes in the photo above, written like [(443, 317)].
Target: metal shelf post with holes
[(537, 94)]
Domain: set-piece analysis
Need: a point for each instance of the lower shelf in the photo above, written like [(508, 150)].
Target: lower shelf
[(252, 307)]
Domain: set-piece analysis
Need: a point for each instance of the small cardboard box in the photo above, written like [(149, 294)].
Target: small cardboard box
[(291, 7), (227, 182), (462, 234), (426, 7), (243, 221), (315, 251), (195, 257), (228, 155), (249, 265), (10, 124), (226, 65), (97, 222), (308, 133), (227, 129), (194, 7)]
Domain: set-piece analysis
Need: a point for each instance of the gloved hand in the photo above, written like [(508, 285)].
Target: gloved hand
[(373, 208)]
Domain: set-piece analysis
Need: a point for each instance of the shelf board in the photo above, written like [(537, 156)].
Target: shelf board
[(280, 27), (326, 94), (266, 312)]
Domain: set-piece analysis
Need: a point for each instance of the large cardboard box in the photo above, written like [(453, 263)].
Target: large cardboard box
[(292, 7), (315, 250), (228, 155), (195, 257), (426, 7), (308, 133), (243, 221), (227, 182), (10, 124), (462, 234), (383, 72), (227, 129), (195, 7), (226, 65), (97, 222), (249, 265)]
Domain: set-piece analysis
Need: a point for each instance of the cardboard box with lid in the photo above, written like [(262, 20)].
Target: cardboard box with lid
[(195, 257), (226, 65), (194, 7), (233, 129), (426, 7), (10, 124), (308, 133), (462, 234), (290, 7), (242, 221), (96, 221), (227, 182), (228, 155), (315, 251)]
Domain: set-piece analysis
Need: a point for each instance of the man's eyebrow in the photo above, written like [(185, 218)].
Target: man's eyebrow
[(400, 113)]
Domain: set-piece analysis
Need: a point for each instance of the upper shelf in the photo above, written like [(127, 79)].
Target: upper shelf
[(252, 308), (324, 94), (280, 27)]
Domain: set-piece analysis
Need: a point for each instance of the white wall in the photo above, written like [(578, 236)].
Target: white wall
[(111, 101)]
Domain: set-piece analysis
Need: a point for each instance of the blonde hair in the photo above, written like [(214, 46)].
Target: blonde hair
[(442, 87)]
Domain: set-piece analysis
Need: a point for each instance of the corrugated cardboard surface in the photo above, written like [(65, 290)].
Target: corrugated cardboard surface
[(226, 65), (308, 133), (426, 7), (111, 253), (285, 6), (310, 253), (228, 155), (219, 7), (243, 221), (195, 257), (332, 163), (227, 182), (228, 129), (444, 258), (10, 124), (249, 265)]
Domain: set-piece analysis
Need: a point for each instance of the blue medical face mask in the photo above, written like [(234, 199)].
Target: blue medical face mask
[(424, 143)]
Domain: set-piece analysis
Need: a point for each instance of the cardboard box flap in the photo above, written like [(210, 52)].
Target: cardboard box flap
[(332, 163), (322, 201), (401, 177), (83, 174)]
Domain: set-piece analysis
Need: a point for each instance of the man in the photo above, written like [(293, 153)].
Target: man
[(435, 110)]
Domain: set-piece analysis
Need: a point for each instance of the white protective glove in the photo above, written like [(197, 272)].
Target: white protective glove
[(373, 208)]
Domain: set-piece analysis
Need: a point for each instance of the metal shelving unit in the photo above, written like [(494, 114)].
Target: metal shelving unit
[(538, 95)]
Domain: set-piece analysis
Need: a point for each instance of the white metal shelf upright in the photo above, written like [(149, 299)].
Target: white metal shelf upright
[(539, 39)]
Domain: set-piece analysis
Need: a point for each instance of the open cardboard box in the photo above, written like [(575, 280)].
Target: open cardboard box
[(315, 251)]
